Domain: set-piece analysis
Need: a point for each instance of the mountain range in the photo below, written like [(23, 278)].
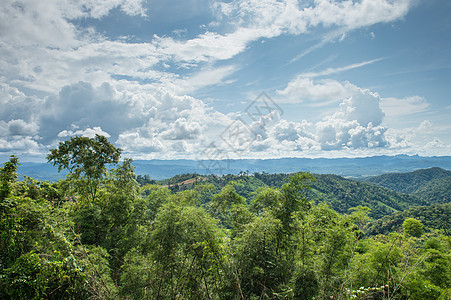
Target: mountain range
[(348, 167)]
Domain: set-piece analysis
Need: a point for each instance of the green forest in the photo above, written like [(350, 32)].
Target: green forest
[(104, 233)]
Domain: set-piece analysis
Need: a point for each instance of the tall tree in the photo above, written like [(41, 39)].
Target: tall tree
[(86, 160), (8, 174)]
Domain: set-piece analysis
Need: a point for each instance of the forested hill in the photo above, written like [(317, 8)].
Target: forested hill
[(340, 193), (436, 216), (432, 185)]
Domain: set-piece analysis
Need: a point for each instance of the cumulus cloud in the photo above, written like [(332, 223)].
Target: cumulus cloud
[(18, 128), (148, 120), (357, 124), (16, 105), (22, 144), (301, 89), (436, 143), (136, 141), (273, 136), (292, 131), (422, 137), (88, 132), (399, 139), (87, 83), (182, 129), (363, 107), (84, 106)]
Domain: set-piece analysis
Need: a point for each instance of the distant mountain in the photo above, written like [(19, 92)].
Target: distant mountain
[(39, 171), (347, 167), (436, 216), (432, 185)]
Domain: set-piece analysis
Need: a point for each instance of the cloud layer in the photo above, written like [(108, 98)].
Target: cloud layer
[(63, 76)]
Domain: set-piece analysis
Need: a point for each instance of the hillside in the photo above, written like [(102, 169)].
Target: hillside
[(432, 185), (340, 193), (436, 216)]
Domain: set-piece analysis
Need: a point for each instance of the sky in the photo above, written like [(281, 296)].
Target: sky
[(206, 79)]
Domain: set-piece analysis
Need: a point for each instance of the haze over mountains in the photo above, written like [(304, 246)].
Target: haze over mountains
[(347, 167)]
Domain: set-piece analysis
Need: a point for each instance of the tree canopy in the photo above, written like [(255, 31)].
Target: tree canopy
[(84, 156), (229, 237)]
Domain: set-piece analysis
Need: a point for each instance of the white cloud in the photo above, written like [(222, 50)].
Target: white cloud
[(18, 128), (206, 77), (399, 139), (16, 105), (43, 50), (88, 132), (297, 17), (363, 107), (182, 129), (207, 47), (135, 142), (395, 108), (21, 144), (85, 106), (292, 131), (147, 119), (436, 143), (425, 126), (351, 14), (301, 89), (422, 138), (258, 19), (357, 124), (339, 134), (330, 71), (136, 94)]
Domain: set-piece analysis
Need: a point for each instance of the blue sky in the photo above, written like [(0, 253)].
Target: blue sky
[(205, 79)]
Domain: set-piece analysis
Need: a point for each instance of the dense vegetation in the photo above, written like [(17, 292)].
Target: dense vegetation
[(432, 185), (98, 234), (436, 216), (339, 193)]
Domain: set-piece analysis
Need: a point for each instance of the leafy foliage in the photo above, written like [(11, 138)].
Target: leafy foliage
[(8, 175), (84, 156), (340, 193), (343, 194), (255, 236), (412, 227), (436, 216), (86, 159), (432, 185)]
